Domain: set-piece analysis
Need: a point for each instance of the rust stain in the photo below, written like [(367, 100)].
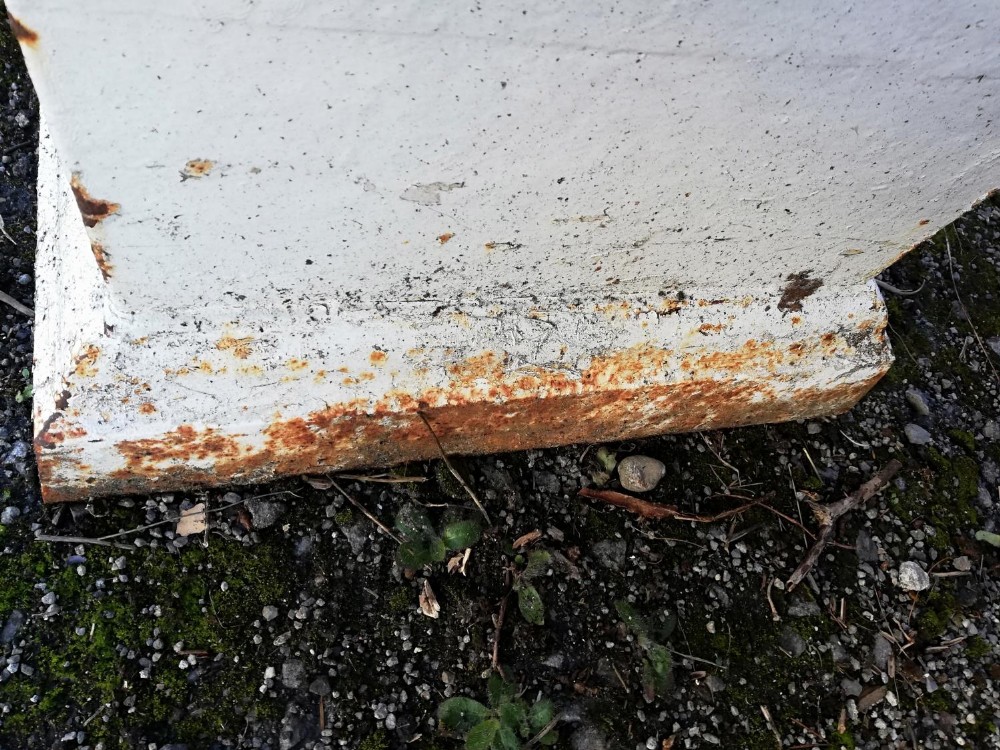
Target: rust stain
[(147, 408), (924, 222), (254, 370), (443, 238), (483, 407), (198, 167), (377, 357), (320, 376), (239, 348), (799, 287), (62, 400), (93, 210), (86, 361), (708, 328), (21, 32), (297, 364), (103, 261)]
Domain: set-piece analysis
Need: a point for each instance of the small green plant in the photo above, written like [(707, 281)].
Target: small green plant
[(505, 725), (28, 391), (606, 461), (423, 545), (657, 664), (529, 601)]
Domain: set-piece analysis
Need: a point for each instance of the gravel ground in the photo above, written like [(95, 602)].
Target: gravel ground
[(292, 621)]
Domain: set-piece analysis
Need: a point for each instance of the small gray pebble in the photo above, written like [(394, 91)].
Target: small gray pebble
[(916, 434), (912, 577), (640, 473), (919, 403)]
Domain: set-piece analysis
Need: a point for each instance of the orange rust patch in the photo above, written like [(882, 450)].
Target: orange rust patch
[(84, 363), (205, 367), (443, 238), (924, 222), (799, 287), (255, 370), (147, 408), (796, 320), (320, 376), (93, 210), (707, 328), (198, 167), (377, 357), (21, 32), (297, 364), (101, 256), (239, 348)]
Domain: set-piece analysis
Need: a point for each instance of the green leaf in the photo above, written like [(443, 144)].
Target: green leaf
[(460, 534), (506, 739), (480, 737), (538, 562), (550, 739), (514, 716), (988, 537), (499, 690), (412, 523), (416, 553), (541, 714), (607, 458), (530, 603), (631, 618), (659, 657), (459, 715), (656, 677)]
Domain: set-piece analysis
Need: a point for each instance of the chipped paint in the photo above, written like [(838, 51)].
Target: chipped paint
[(86, 361), (197, 168), (241, 348), (101, 256), (93, 210)]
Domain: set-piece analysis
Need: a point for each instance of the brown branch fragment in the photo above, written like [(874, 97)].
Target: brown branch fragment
[(828, 515), (385, 529), (658, 511)]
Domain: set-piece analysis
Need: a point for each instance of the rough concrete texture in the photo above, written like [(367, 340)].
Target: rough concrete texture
[(535, 226)]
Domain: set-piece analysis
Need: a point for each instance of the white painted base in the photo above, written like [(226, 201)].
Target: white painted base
[(245, 401)]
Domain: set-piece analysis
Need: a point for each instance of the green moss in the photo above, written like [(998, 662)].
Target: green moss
[(941, 607), (375, 741), (344, 517), (977, 647), (842, 740), (963, 438), (400, 601)]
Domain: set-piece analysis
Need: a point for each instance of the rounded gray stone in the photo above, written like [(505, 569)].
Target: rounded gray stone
[(640, 473), (912, 577)]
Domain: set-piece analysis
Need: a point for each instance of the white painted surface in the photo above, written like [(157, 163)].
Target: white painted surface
[(579, 153)]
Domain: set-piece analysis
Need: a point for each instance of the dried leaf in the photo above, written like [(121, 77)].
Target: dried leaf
[(192, 521), (458, 562), (525, 539), (428, 602), (872, 697), (319, 483), (607, 458)]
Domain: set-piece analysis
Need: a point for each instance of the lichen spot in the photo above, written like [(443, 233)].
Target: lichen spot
[(240, 348), (93, 210), (443, 238), (198, 168), (377, 357), (21, 32)]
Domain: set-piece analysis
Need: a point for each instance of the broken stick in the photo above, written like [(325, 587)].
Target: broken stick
[(828, 515)]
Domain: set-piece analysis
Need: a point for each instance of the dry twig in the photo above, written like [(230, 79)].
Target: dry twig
[(454, 472), (385, 529), (828, 515), (657, 511), (6, 298)]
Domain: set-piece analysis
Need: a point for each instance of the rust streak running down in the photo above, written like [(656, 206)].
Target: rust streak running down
[(93, 210), (21, 32)]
